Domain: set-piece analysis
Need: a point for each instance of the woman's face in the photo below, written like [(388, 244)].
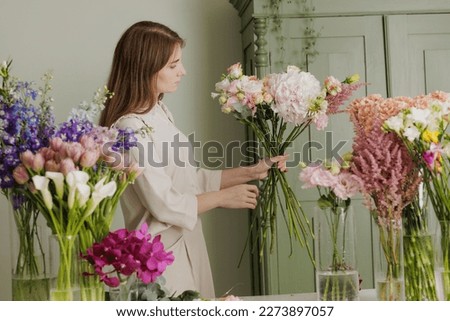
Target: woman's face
[(170, 76)]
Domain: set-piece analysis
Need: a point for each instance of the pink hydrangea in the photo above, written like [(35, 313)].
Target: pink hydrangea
[(294, 92)]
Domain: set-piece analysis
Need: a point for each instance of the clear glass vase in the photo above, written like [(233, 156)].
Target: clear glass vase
[(29, 234), (388, 260), (91, 288), (337, 277), (126, 291), (65, 268), (442, 255), (418, 251)]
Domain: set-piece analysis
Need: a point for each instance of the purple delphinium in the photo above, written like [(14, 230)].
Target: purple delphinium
[(126, 139), (73, 129), (117, 139), (24, 124)]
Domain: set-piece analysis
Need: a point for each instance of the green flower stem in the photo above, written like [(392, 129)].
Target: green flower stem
[(445, 248), (95, 227), (390, 241), (298, 222), (419, 268), (276, 195), (30, 279), (66, 281), (418, 253), (439, 194), (25, 220)]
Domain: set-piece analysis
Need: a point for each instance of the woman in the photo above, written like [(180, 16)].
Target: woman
[(171, 192)]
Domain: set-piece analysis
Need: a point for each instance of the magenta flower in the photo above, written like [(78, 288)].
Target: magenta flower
[(123, 253), (429, 157)]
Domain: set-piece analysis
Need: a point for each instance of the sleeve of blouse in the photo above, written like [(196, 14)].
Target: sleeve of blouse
[(154, 187), (209, 180)]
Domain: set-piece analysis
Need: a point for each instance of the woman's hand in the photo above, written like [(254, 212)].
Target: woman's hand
[(239, 196), (261, 169)]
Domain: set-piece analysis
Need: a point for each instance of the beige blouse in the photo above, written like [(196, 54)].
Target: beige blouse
[(164, 196)]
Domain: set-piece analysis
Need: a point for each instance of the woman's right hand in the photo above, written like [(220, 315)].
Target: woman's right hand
[(239, 196)]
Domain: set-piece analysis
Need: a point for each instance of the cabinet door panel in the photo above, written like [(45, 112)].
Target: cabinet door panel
[(419, 53), (346, 45)]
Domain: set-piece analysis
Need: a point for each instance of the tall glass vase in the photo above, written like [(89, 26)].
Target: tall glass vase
[(126, 291), (335, 254), (65, 268), (418, 249), (29, 252), (388, 260), (91, 288), (443, 259)]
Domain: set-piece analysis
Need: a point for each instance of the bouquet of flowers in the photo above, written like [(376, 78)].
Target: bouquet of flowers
[(337, 276), (76, 182), (122, 256), (26, 123), (278, 109), (389, 177), (423, 130)]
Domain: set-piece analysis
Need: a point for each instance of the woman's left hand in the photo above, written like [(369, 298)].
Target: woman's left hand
[(261, 169)]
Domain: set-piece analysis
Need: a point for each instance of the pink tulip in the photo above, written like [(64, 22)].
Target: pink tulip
[(56, 143), (47, 153), (88, 142), (38, 162), (20, 175), (74, 151), (67, 165), (27, 158), (134, 169), (52, 166), (89, 157)]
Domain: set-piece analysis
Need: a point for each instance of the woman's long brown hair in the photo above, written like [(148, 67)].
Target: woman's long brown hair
[(142, 51)]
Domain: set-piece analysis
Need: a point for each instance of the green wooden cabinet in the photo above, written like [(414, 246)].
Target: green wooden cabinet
[(397, 47), (419, 53)]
